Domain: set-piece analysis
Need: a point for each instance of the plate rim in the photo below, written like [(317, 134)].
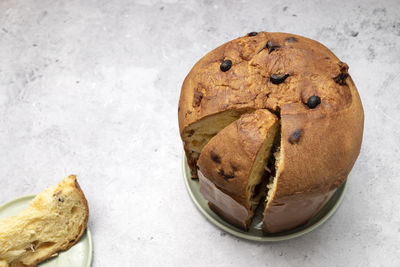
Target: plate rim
[(259, 238), (88, 233)]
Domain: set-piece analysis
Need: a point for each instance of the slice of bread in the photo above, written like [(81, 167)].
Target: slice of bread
[(196, 136), (54, 221), (231, 166)]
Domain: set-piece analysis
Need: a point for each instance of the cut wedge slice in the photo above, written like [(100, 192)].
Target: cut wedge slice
[(232, 166), (197, 135)]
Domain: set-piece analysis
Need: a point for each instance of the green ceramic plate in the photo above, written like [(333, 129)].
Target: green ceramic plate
[(255, 232), (80, 255)]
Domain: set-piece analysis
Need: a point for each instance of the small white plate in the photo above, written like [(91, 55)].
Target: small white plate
[(79, 255)]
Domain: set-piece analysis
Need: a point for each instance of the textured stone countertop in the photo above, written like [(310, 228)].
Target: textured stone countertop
[(91, 88)]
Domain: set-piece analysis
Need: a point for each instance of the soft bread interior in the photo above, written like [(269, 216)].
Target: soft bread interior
[(258, 177), (197, 135), (273, 170), (54, 220)]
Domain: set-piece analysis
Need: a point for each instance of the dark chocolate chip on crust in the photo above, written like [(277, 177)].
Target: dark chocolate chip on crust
[(271, 46), (198, 96), (252, 34), (215, 157), (278, 78), (341, 78), (295, 136), (313, 101), (343, 66), (225, 65), (226, 176), (291, 39)]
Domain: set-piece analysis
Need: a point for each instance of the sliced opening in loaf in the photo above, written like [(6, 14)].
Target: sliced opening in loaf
[(271, 170), (258, 178), (263, 183)]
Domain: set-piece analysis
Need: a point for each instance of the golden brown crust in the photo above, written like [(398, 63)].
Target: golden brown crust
[(227, 160), (319, 145), (311, 67), (317, 164)]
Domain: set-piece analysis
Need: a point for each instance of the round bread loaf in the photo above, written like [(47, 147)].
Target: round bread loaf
[(320, 114)]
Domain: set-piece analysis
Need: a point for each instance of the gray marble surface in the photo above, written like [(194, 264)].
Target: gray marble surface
[(91, 88)]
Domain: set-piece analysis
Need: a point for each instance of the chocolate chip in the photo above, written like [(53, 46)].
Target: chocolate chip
[(313, 101), (60, 199), (343, 66), (214, 156), (271, 46), (252, 34), (226, 176), (190, 133), (341, 78), (291, 39), (278, 78), (295, 136), (226, 65), (198, 96)]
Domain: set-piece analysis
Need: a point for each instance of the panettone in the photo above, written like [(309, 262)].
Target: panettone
[(320, 115)]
